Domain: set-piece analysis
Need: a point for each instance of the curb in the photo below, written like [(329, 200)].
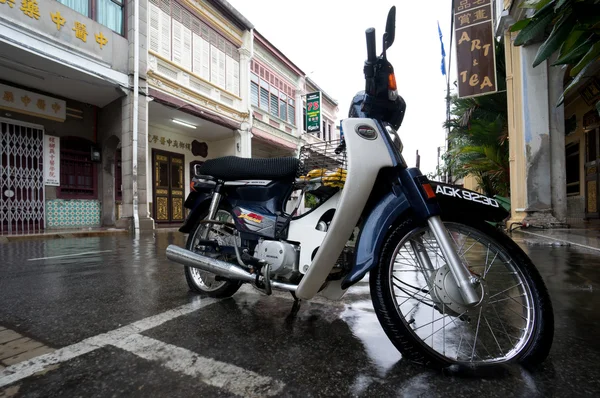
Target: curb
[(559, 240), (60, 235)]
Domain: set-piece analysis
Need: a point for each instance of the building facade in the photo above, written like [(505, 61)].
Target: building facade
[(64, 75), (83, 146), (198, 109), (553, 150)]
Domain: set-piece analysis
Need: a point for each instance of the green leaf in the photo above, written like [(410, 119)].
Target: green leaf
[(559, 4), (555, 40), (520, 25), (535, 29), (587, 59), (537, 4), (573, 83), (575, 55), (575, 39)]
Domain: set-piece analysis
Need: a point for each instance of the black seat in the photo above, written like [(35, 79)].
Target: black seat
[(231, 168)]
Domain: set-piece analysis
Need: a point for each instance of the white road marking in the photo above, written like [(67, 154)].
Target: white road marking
[(25, 369), (69, 255), (229, 377)]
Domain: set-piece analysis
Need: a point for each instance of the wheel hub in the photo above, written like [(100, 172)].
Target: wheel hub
[(448, 296)]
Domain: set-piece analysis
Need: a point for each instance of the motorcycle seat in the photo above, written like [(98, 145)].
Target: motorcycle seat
[(232, 168)]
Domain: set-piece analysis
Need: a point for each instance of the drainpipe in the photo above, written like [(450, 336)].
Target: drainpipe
[(136, 87)]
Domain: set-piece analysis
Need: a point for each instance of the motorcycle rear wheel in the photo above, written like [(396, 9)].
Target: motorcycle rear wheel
[(421, 311), (204, 282)]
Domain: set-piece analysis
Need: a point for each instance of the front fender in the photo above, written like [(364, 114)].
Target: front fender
[(393, 209)]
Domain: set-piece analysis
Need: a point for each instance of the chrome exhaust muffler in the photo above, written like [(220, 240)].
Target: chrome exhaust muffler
[(217, 267)]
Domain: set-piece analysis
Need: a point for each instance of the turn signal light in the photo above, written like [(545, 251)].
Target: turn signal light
[(428, 191), (392, 82), (192, 183)]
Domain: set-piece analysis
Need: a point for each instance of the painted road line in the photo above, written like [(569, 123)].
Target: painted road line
[(25, 369), (228, 377), (69, 255)]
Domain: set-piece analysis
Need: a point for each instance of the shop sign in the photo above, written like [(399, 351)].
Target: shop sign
[(51, 160), (475, 50), (29, 103), (313, 112), (61, 22)]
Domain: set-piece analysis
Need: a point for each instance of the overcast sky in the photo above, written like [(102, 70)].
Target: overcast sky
[(326, 40)]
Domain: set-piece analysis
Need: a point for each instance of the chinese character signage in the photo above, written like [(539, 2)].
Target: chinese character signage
[(313, 112), (23, 101), (51, 160), (475, 51), (61, 22)]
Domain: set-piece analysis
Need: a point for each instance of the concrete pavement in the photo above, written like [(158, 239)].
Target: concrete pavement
[(119, 321)]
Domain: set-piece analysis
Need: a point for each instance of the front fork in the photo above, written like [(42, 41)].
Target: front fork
[(459, 269), (425, 206)]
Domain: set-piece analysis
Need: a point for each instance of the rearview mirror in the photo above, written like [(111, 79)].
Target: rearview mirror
[(390, 28)]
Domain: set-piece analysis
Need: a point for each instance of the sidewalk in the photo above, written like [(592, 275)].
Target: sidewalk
[(586, 237), (63, 233)]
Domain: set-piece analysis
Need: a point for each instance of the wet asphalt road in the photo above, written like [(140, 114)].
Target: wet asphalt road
[(124, 324)]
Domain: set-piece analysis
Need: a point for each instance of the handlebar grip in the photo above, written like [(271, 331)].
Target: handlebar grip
[(371, 56)]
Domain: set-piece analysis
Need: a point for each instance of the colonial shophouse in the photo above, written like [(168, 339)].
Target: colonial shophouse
[(209, 86), (198, 63), (64, 99)]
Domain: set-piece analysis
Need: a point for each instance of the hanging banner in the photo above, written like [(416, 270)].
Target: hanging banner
[(30, 103), (475, 50), (51, 160), (313, 112)]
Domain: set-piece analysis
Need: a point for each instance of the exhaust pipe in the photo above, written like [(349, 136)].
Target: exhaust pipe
[(217, 267)]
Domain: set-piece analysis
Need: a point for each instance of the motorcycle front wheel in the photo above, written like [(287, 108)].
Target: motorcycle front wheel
[(420, 308)]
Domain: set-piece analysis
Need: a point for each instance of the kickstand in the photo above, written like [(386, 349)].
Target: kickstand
[(295, 307)]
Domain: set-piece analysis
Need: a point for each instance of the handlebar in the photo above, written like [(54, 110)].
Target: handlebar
[(371, 55)]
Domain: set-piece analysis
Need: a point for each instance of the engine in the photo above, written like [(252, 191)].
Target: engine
[(282, 256)]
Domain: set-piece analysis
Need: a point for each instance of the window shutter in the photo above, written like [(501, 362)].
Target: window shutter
[(229, 69), (205, 59), (165, 35), (154, 28), (197, 62), (177, 42), (221, 69), (236, 77), (214, 65), (186, 59), (254, 93)]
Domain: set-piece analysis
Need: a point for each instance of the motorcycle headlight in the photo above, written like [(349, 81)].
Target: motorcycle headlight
[(395, 138)]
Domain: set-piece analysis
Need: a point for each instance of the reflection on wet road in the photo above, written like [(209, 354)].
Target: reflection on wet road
[(250, 345)]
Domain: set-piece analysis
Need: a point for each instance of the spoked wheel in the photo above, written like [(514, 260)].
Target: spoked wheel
[(422, 312), (204, 282)]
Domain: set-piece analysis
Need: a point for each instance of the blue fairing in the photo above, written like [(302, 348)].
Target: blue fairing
[(372, 235)]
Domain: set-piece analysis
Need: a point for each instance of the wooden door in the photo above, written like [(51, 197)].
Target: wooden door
[(168, 186)]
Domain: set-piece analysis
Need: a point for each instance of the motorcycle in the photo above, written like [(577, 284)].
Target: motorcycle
[(447, 285)]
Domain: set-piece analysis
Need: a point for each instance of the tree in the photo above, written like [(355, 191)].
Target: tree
[(575, 35), (478, 137)]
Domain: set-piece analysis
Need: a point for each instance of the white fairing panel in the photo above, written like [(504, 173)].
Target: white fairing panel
[(365, 158), (304, 230)]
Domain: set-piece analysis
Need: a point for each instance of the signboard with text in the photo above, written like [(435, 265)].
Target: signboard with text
[(475, 50), (313, 112), (51, 160), (30, 103)]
